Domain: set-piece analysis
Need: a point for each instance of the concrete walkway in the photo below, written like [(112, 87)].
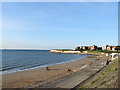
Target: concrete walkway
[(76, 78)]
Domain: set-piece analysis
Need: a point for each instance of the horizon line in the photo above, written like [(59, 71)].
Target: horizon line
[(52, 48), (59, 0)]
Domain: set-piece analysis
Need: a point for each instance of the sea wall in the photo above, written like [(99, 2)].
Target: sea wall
[(70, 52), (55, 51)]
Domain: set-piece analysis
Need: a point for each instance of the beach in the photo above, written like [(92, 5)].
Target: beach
[(40, 76)]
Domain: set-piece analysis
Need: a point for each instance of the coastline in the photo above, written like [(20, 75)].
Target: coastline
[(42, 66), (41, 75)]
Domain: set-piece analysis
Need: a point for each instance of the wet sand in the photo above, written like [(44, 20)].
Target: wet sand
[(37, 77)]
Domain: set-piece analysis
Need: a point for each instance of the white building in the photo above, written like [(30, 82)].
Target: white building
[(103, 47)]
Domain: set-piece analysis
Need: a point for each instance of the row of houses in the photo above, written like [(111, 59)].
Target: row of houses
[(112, 48), (94, 47)]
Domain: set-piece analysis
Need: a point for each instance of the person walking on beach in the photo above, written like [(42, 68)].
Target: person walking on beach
[(47, 68)]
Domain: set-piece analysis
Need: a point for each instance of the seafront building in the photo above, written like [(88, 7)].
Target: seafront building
[(81, 49), (94, 47), (112, 48)]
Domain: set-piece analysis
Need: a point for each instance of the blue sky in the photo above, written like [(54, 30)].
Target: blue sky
[(48, 25)]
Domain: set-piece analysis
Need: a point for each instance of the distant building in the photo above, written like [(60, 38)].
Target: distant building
[(94, 47), (84, 47), (81, 48), (111, 48), (118, 48), (103, 47), (114, 48)]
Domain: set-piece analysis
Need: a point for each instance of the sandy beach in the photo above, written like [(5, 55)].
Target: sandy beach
[(40, 76)]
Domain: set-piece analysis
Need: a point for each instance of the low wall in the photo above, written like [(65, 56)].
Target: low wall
[(55, 51), (76, 52), (71, 52)]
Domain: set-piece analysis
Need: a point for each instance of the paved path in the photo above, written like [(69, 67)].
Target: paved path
[(76, 78)]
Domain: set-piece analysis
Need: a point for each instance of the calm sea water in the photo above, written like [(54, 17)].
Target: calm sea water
[(20, 60)]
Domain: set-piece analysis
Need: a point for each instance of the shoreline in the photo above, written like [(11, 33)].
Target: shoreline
[(42, 66), (26, 78)]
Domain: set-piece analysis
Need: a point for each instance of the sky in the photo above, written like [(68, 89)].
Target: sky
[(51, 25), (60, 0)]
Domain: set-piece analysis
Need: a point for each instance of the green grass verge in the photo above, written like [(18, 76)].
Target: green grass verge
[(105, 79)]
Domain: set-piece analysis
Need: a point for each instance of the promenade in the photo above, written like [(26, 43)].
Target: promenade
[(76, 78)]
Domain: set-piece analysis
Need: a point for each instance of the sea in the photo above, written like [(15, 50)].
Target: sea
[(21, 60)]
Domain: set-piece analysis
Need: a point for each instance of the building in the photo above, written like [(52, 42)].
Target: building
[(84, 47), (94, 47), (81, 48), (118, 48), (104, 48), (108, 48), (112, 48)]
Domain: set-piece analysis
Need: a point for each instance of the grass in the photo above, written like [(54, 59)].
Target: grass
[(103, 51), (113, 77), (104, 79), (93, 81), (91, 57), (102, 82)]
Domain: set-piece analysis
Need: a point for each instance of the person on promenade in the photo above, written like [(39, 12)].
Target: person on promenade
[(68, 69)]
